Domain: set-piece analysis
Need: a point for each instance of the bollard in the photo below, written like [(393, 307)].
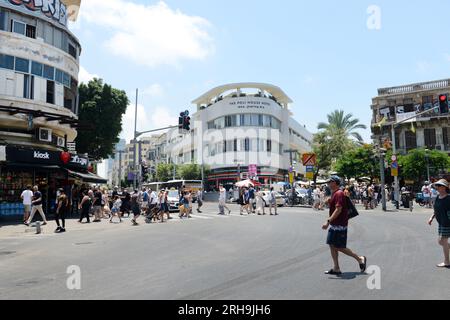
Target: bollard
[(38, 227)]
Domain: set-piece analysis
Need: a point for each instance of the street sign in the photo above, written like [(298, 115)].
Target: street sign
[(291, 169), (394, 172), (291, 178), (394, 165), (309, 169), (309, 159), (310, 175)]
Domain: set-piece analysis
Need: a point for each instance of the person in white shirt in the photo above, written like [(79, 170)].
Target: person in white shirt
[(426, 191), (27, 197), (222, 201), (199, 200)]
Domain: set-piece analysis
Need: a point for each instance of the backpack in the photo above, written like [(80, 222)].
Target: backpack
[(145, 197)]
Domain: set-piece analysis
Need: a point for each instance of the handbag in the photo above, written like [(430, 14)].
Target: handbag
[(352, 212)]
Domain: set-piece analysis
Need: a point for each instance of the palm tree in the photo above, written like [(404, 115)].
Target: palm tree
[(341, 126)]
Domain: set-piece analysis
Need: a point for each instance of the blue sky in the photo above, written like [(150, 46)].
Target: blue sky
[(321, 53)]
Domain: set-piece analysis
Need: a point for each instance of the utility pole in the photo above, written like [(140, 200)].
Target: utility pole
[(291, 159), (135, 140), (383, 179), (120, 167)]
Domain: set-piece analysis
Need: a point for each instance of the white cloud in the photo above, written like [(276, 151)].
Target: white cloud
[(85, 76), (149, 35), (128, 121), (161, 118), (154, 90), (147, 119)]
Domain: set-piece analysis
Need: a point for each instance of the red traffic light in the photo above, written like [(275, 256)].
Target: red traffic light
[(443, 97)]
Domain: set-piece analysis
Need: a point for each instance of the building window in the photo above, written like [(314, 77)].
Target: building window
[(59, 76), (28, 86), (72, 51), (18, 27), (36, 68), (31, 31), (410, 140), (430, 138), (22, 65), (235, 147), (2, 20), (269, 146), (247, 144), (66, 80), (276, 124), (49, 72), (6, 62), (50, 92)]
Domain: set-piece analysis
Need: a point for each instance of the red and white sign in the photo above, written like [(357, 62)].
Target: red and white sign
[(309, 159)]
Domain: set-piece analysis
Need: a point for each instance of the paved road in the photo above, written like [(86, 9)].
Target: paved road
[(232, 257)]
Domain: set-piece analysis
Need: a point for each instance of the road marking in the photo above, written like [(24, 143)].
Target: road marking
[(201, 217)]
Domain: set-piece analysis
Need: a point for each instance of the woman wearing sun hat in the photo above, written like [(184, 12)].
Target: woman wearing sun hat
[(442, 215)]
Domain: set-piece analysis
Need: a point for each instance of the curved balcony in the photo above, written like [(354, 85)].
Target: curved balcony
[(39, 51)]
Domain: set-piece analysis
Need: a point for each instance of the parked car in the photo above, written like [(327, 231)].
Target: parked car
[(173, 199)]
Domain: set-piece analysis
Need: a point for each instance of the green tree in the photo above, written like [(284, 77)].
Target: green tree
[(322, 147), (102, 108), (341, 131), (414, 164), (190, 172), (359, 162), (164, 172)]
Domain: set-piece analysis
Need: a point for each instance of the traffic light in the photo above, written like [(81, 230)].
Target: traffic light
[(181, 120), (145, 172), (443, 104), (187, 123)]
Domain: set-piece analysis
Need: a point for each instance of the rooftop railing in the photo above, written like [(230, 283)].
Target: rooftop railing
[(432, 85)]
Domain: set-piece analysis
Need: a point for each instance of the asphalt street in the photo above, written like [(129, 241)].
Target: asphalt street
[(227, 258)]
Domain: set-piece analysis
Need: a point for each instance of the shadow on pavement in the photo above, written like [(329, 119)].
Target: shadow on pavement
[(348, 276)]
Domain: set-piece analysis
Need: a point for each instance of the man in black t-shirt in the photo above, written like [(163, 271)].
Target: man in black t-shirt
[(36, 206), (97, 205)]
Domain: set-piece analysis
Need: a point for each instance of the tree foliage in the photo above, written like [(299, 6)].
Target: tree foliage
[(101, 107), (414, 165), (359, 162)]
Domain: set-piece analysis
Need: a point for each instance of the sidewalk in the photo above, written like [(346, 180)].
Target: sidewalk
[(10, 230), (392, 209)]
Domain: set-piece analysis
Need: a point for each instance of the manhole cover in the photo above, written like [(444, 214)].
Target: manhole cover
[(83, 243), (6, 253)]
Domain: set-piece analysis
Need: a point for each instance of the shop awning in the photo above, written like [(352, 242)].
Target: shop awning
[(87, 177), (32, 166)]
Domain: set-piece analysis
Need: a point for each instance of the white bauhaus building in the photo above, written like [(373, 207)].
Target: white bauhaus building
[(242, 130)]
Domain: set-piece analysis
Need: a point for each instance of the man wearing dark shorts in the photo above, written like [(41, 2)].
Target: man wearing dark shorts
[(337, 225)]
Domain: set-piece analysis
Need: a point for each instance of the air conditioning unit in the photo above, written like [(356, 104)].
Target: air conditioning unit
[(61, 142), (45, 134)]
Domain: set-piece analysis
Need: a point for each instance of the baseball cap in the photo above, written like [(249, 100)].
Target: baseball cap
[(335, 179)]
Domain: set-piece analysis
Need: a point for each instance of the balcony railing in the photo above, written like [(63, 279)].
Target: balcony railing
[(432, 85)]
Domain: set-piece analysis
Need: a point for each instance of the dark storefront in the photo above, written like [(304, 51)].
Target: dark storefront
[(50, 170)]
